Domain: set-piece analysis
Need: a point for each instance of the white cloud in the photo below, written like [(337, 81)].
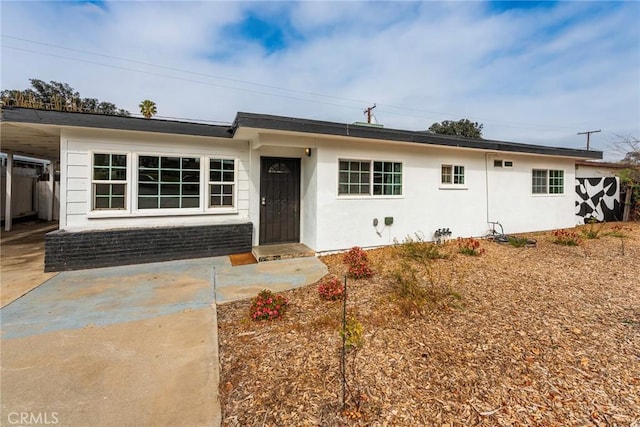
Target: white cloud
[(535, 75)]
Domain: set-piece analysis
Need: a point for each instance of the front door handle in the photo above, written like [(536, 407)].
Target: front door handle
[(263, 201)]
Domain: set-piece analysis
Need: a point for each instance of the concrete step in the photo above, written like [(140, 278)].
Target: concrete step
[(264, 253)]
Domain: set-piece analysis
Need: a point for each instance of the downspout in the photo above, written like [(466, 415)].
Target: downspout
[(486, 183)]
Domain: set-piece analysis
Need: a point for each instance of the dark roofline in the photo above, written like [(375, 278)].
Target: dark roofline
[(604, 164), (103, 121), (264, 121)]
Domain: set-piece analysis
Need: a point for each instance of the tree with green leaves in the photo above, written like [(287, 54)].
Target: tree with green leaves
[(57, 96), (148, 108), (463, 127)]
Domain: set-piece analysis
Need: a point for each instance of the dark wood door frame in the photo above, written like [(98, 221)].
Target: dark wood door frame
[(279, 200)]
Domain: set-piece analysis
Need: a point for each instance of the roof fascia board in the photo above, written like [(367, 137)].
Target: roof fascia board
[(319, 128), (102, 121)]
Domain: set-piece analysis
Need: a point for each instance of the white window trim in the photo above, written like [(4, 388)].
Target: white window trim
[(547, 194), (131, 199), (371, 172), (226, 209), (452, 186), (109, 213)]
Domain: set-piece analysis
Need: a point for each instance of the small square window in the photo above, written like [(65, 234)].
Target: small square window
[(508, 164), (497, 163)]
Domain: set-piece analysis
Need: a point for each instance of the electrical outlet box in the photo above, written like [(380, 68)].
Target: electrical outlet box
[(388, 220)]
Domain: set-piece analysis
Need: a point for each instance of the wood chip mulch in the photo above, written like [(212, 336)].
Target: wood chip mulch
[(545, 336)]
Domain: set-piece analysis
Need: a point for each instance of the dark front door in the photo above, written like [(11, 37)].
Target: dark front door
[(279, 200)]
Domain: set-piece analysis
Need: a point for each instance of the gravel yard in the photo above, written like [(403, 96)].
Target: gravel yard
[(515, 336)]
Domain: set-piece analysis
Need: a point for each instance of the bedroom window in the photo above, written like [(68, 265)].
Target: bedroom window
[(369, 178), (545, 181), (168, 182), (222, 174), (109, 181), (452, 175)]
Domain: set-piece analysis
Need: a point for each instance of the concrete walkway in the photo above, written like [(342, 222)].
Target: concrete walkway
[(130, 345)]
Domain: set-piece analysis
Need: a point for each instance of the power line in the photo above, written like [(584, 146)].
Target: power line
[(244, 82)]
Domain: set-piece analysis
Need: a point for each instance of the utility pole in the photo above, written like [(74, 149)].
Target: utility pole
[(367, 111), (588, 133)]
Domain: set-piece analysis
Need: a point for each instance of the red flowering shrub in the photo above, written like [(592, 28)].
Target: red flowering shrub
[(469, 246), (268, 306), (331, 289), (565, 238), (358, 263)]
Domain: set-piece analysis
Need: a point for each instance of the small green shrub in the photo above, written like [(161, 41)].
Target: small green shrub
[(268, 306), (469, 246), (592, 229), (617, 231), (418, 250), (353, 333), (566, 238), (518, 242), (331, 289), (358, 263)]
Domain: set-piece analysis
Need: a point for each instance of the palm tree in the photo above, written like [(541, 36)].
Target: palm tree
[(148, 108)]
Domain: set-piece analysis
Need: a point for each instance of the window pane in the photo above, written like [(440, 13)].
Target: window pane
[(118, 174), (227, 176), (190, 202), (148, 161), (147, 189), (101, 159), (190, 190), (365, 166), (147, 202), (215, 164), (169, 189), (170, 163), (148, 176), (192, 163), (101, 203), (227, 189), (343, 189), (117, 203), (119, 160), (229, 165), (170, 176), (101, 174), (227, 200), (215, 176), (102, 189), (117, 189)]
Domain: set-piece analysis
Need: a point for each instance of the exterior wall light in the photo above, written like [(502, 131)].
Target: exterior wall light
[(307, 152)]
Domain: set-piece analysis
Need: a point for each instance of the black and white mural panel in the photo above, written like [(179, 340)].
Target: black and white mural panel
[(597, 198)]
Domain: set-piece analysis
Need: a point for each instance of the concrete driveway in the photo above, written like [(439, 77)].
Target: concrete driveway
[(122, 346), (128, 346)]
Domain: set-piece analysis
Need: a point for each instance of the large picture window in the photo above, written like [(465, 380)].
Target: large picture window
[(369, 178), (109, 181), (452, 175), (222, 178), (168, 182), (545, 181)]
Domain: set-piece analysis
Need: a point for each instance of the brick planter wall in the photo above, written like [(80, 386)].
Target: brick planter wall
[(106, 248)]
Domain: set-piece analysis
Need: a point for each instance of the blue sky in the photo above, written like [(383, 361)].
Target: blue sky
[(534, 72)]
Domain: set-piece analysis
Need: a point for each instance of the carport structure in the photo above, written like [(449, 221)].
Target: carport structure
[(28, 133)]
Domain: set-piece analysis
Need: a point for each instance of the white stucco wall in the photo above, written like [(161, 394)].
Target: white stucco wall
[(426, 205), (584, 171), (77, 146)]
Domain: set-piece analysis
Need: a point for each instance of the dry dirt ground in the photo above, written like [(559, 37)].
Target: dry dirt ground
[(22, 259), (545, 336)]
